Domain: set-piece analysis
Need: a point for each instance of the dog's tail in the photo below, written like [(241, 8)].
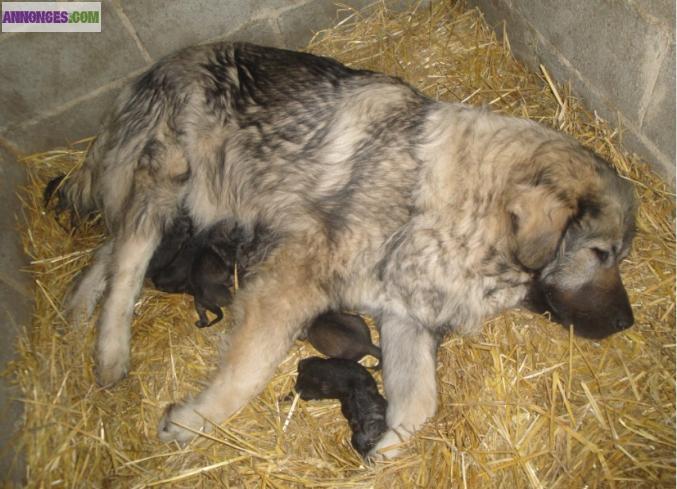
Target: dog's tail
[(72, 192)]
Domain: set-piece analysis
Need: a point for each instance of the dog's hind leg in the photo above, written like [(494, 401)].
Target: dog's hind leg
[(91, 284), (269, 313), (409, 353)]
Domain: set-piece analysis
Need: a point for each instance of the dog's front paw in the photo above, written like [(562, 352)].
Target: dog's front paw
[(109, 372), (388, 447), (176, 418)]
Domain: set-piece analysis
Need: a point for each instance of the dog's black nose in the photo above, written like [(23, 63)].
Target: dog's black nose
[(624, 320)]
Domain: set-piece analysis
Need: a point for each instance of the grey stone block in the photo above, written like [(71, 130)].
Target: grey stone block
[(600, 39), (659, 120), (261, 32), (662, 10), (15, 310), (40, 71), (165, 26), (526, 47), (638, 143), (297, 26), (14, 314), (76, 122), (12, 259)]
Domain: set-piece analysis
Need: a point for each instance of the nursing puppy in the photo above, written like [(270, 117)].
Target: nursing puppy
[(202, 265), (429, 216), (349, 382), (342, 335)]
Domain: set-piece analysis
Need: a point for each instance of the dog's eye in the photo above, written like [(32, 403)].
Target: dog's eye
[(602, 255)]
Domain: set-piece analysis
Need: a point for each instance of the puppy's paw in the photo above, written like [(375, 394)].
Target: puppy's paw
[(388, 447), (176, 417)]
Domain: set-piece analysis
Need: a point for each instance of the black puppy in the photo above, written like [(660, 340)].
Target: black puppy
[(201, 264), (342, 335), (169, 268), (350, 383)]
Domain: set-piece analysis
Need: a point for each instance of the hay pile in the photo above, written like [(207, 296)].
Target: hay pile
[(523, 405)]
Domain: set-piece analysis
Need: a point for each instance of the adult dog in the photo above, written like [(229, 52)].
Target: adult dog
[(430, 216)]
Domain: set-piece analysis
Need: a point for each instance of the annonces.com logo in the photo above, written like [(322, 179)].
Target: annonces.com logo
[(51, 16)]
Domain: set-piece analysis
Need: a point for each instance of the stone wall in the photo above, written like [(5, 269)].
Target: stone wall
[(54, 88), (619, 56)]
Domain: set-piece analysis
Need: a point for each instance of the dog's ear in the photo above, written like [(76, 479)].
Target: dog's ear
[(538, 218)]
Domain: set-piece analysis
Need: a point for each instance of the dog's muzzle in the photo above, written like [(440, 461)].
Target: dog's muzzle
[(596, 310)]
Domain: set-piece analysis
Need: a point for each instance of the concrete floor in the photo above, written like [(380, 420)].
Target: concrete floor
[(15, 310)]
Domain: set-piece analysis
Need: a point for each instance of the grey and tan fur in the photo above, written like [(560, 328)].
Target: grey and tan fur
[(430, 216)]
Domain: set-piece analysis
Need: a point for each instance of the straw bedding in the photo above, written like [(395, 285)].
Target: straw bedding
[(525, 404)]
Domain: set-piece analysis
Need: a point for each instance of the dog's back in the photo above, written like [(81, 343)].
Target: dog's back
[(259, 134)]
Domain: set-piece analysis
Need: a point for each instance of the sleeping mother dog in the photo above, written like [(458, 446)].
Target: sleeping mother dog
[(430, 216)]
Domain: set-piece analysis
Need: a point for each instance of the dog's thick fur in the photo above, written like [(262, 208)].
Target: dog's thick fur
[(430, 216)]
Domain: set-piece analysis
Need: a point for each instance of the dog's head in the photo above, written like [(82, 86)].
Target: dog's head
[(571, 228)]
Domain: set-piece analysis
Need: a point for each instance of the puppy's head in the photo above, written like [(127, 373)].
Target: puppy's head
[(371, 431), (571, 229), (365, 410)]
